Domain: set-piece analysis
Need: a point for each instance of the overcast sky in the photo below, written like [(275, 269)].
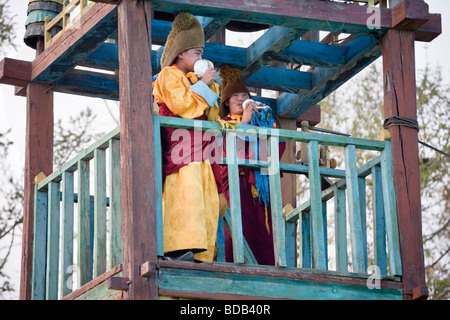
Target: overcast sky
[(12, 108)]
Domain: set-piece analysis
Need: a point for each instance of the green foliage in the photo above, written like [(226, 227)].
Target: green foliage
[(6, 26), (11, 193)]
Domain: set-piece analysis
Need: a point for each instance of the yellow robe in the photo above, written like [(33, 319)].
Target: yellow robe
[(190, 195)]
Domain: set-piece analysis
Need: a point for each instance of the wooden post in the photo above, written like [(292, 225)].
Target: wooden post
[(38, 158), (136, 147), (400, 100)]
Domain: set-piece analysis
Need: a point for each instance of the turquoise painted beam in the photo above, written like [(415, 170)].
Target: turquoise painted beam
[(314, 54), (260, 282), (39, 244), (360, 53), (266, 48), (211, 25), (281, 79)]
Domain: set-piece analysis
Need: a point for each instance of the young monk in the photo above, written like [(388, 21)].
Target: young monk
[(256, 215), (190, 191)]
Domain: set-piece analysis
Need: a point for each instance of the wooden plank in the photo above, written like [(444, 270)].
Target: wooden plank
[(340, 227), (99, 212), (52, 271), (211, 25), (430, 30), (328, 193), (280, 79), (305, 239), (158, 184), (38, 158), (39, 245), (379, 230), (86, 155), (273, 41), (115, 204), (314, 54), (67, 210), (89, 83), (316, 15), (75, 44), (93, 285), (400, 100), (15, 72), (317, 243), (85, 227), (354, 211), (136, 146), (325, 232), (235, 201), (362, 206), (254, 283), (289, 135), (390, 210), (361, 51), (276, 204)]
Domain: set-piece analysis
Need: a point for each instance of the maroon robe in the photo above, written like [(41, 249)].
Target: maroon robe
[(253, 210), (199, 146)]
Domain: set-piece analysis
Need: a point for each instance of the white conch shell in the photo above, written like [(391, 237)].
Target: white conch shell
[(247, 101), (201, 66)]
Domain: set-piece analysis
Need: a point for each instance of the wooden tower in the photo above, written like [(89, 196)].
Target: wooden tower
[(122, 260)]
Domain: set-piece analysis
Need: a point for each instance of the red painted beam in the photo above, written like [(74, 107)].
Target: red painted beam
[(15, 72), (136, 147), (38, 158), (400, 100)]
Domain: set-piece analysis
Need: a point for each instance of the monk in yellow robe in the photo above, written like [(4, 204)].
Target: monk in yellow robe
[(190, 189)]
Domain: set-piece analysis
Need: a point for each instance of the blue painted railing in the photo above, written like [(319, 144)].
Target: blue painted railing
[(98, 245), (72, 241)]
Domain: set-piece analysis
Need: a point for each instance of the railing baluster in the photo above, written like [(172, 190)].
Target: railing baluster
[(115, 201), (235, 201), (99, 212), (67, 233), (53, 241), (362, 207), (276, 204), (354, 209), (340, 227), (318, 245), (325, 232), (158, 184), (39, 244), (379, 231), (305, 239), (290, 243), (84, 261), (390, 210)]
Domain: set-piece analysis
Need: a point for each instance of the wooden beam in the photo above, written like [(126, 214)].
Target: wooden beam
[(361, 51), (15, 72), (264, 49), (430, 30), (400, 100), (314, 54), (410, 15), (136, 146), (38, 158), (317, 15), (75, 44)]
